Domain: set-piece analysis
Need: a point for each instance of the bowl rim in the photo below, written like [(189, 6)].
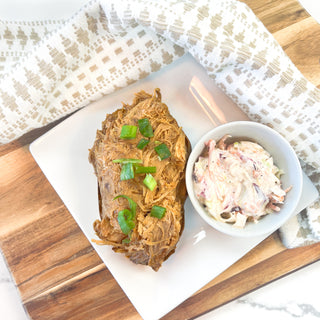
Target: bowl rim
[(220, 226)]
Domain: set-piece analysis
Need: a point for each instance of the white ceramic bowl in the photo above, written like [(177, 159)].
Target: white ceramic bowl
[(284, 158)]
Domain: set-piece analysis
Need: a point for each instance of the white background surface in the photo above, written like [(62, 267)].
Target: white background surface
[(295, 296)]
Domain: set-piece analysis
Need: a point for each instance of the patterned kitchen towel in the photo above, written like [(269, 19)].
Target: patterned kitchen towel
[(49, 70)]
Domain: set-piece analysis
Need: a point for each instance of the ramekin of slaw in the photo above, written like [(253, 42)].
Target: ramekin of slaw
[(244, 179)]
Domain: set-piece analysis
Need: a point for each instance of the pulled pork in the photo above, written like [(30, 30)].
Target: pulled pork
[(152, 240)]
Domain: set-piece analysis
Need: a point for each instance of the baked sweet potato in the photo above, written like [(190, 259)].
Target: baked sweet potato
[(152, 240)]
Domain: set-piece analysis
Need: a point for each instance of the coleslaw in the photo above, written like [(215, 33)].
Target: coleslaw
[(237, 182)]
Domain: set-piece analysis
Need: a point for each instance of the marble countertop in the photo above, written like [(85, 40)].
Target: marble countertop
[(295, 296)]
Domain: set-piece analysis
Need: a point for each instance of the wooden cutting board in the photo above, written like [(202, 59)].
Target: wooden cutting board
[(58, 273)]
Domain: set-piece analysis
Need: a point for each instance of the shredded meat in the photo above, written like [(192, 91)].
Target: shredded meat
[(153, 240)]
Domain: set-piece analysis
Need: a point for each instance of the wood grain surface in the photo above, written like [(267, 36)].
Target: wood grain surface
[(58, 273)]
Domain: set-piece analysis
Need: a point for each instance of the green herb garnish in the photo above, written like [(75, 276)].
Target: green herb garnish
[(149, 181), (126, 217), (158, 212), (163, 151), (128, 132), (126, 160), (127, 171), (125, 221), (142, 143), (132, 204), (140, 169), (145, 127)]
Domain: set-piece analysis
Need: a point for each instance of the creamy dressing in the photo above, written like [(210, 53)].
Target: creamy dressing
[(238, 182)]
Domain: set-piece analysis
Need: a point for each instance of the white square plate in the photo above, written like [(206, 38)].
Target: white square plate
[(202, 253)]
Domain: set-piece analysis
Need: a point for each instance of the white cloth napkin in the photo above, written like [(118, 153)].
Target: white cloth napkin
[(50, 70)]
